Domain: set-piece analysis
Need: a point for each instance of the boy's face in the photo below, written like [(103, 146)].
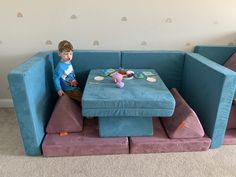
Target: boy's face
[(66, 56)]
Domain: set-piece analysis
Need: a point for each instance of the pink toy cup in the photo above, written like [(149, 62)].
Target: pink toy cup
[(117, 77), (120, 84)]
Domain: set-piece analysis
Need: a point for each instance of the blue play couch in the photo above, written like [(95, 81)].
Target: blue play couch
[(205, 85), (217, 53)]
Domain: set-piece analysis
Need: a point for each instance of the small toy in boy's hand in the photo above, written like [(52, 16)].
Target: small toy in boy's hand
[(73, 83)]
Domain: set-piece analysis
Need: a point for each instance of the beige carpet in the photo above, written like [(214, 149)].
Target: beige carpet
[(219, 162)]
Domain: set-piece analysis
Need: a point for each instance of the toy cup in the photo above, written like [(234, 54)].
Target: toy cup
[(120, 84), (117, 77)]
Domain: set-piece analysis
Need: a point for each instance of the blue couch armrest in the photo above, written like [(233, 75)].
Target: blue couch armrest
[(218, 54), (209, 88), (31, 88)]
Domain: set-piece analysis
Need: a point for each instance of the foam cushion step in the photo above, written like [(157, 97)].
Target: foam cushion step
[(160, 142), (86, 142), (66, 116), (184, 123), (230, 137)]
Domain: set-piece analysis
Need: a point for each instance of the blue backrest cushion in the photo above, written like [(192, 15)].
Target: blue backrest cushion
[(168, 64), (85, 60), (221, 54), (218, 54)]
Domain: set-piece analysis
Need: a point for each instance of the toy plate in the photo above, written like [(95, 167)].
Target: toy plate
[(128, 78), (151, 79), (98, 78)]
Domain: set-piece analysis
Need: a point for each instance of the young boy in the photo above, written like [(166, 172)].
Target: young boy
[(64, 76)]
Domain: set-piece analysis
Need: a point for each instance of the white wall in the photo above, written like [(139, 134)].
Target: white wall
[(110, 24)]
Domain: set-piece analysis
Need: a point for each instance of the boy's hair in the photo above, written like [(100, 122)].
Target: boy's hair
[(65, 46)]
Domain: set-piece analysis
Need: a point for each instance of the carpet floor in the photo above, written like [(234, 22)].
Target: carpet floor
[(219, 162)]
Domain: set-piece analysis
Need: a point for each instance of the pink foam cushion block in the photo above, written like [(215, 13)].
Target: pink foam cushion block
[(230, 137), (231, 62), (184, 122), (86, 142), (66, 116), (160, 142), (232, 118)]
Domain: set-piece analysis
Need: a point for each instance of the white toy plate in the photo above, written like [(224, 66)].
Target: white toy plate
[(151, 79), (98, 78), (128, 78)]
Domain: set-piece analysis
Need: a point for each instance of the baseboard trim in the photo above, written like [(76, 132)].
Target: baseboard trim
[(6, 103)]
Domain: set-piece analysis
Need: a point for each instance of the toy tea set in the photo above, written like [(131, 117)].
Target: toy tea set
[(121, 74)]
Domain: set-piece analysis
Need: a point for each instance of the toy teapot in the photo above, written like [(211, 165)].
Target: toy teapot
[(118, 79)]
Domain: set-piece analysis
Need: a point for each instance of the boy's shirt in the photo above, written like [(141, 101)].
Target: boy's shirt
[(64, 77)]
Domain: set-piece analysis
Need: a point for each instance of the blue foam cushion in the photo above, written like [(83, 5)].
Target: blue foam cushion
[(125, 126), (32, 91), (138, 98), (218, 54), (209, 91), (168, 64)]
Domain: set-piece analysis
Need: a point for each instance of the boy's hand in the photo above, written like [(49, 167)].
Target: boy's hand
[(60, 92)]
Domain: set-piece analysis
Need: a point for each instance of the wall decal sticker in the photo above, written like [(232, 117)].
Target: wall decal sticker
[(143, 43), (188, 44), (48, 42), (19, 15), (96, 43), (1, 42), (168, 20), (215, 22), (124, 19), (73, 17)]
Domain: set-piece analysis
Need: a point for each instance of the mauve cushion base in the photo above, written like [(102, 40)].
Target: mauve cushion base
[(86, 142), (160, 142), (230, 137)]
